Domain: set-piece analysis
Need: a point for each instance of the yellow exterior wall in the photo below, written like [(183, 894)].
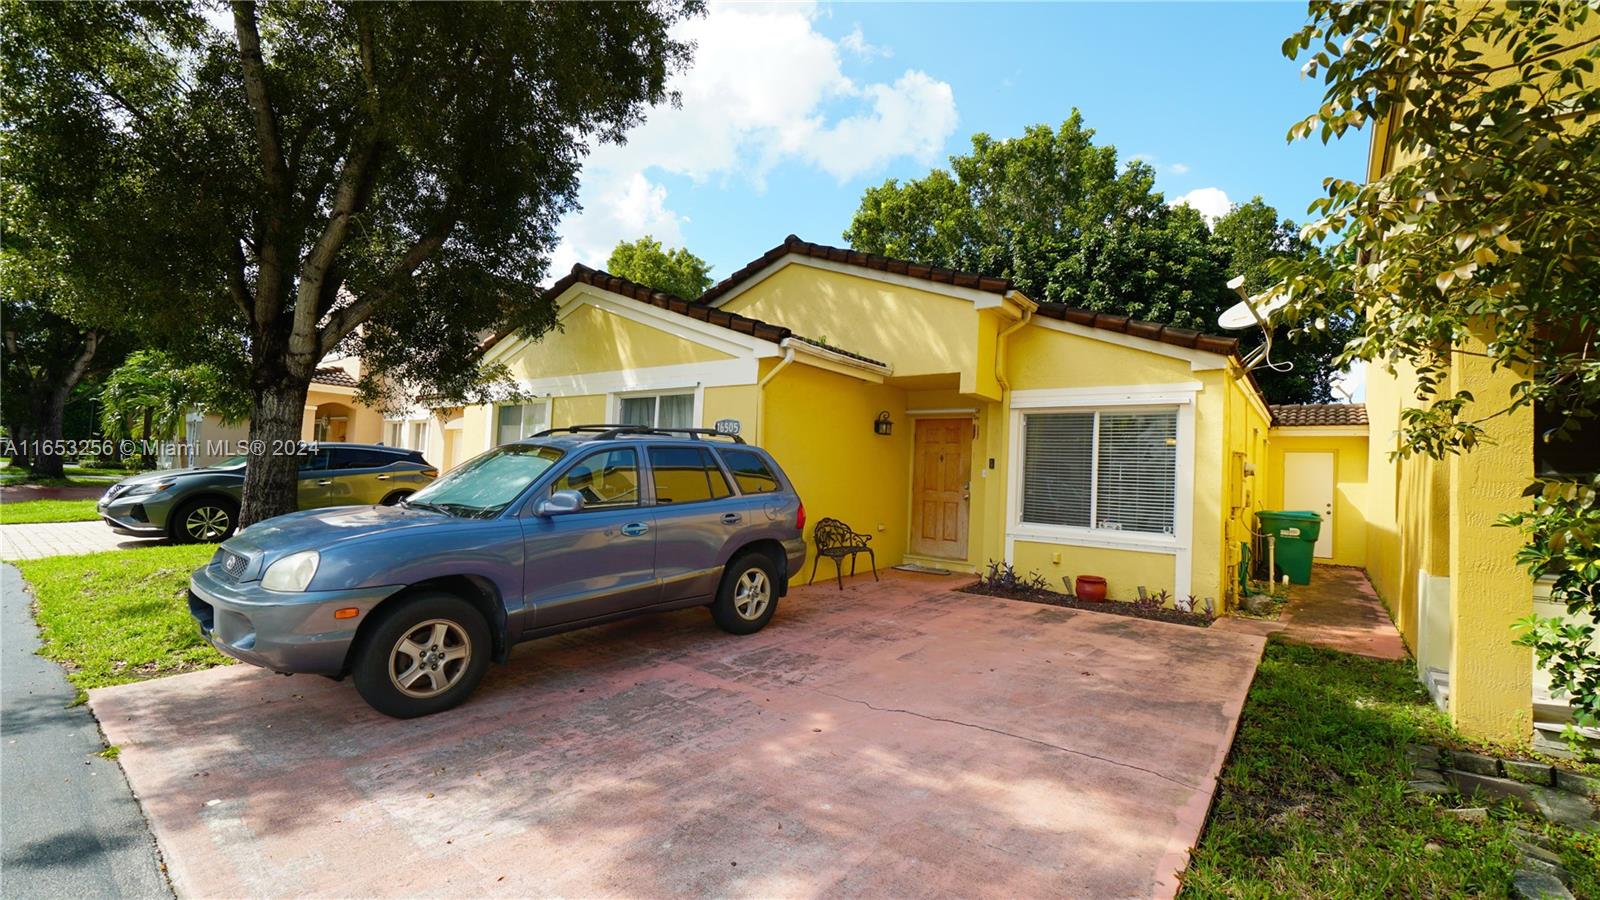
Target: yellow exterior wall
[(1124, 570), (1039, 356), (1349, 489), (819, 428), (591, 339), (918, 332)]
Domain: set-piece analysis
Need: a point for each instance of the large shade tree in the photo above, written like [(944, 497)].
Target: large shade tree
[(676, 271), (1482, 240), (263, 183), (1058, 214)]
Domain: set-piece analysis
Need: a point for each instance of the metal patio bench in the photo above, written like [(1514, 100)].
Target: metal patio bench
[(835, 540)]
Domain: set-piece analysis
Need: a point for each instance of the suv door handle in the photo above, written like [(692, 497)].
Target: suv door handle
[(325, 482), (731, 518), (383, 477), (634, 529)]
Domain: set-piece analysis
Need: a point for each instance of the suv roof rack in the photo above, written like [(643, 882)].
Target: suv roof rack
[(605, 432)]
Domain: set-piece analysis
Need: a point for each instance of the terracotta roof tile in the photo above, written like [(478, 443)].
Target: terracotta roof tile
[(1166, 334), (756, 328), (1315, 414), (333, 375)]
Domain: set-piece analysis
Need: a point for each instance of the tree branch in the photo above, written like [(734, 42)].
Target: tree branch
[(273, 169), (343, 321)]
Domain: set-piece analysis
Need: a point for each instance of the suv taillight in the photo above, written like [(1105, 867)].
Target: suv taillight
[(800, 518), (431, 473)]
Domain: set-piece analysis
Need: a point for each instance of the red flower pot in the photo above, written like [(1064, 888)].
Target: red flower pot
[(1090, 587)]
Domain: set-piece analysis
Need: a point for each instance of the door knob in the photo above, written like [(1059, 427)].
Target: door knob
[(731, 518), (634, 529)]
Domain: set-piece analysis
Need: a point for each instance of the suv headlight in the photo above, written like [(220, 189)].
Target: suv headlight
[(292, 573), (148, 487)]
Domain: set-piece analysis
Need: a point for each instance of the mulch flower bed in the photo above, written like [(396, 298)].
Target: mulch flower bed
[(1114, 607)]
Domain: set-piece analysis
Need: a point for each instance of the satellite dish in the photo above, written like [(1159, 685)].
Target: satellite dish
[(1254, 312), (1251, 312)]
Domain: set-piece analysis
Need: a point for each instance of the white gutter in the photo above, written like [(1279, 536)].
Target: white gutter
[(791, 344), (761, 391)]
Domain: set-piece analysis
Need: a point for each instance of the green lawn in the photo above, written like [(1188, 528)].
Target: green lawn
[(1311, 802), (121, 616), (31, 511)]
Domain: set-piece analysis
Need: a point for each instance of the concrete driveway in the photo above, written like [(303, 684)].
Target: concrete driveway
[(893, 738)]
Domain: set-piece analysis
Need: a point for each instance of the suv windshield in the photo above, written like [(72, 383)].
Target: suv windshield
[(485, 485)]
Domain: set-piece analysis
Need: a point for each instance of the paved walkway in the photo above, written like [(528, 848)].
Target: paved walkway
[(69, 825), (890, 739), (21, 493), (63, 539), (1339, 610)]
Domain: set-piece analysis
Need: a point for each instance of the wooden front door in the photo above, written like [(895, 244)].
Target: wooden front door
[(942, 455)]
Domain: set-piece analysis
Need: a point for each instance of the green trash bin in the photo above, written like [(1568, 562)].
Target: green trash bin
[(1294, 534)]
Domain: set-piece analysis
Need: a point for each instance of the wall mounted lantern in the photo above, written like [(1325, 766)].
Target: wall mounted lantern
[(882, 425)]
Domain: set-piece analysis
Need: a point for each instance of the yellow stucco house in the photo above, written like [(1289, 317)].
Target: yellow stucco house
[(946, 414)]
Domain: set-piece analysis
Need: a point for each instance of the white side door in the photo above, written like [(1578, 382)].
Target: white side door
[(1308, 485)]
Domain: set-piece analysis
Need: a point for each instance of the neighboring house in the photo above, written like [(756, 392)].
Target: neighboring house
[(949, 416), (331, 414)]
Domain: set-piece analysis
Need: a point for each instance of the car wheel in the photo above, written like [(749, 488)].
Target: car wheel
[(748, 595), (424, 654), (395, 497), (205, 520)]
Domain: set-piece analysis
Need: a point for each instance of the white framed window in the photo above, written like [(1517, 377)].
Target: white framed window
[(417, 434), (1108, 472), (667, 409), (515, 421), (394, 433)]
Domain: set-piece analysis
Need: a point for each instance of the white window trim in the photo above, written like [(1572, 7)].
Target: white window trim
[(405, 422), (492, 426), (614, 401), (1179, 544)]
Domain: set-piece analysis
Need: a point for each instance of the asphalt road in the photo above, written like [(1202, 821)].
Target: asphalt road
[(69, 825)]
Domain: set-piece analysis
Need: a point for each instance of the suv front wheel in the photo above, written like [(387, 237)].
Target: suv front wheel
[(424, 654), (748, 595)]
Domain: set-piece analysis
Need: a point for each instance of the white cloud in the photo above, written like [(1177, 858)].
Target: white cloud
[(766, 88), (1178, 169), (856, 43), (1210, 202)]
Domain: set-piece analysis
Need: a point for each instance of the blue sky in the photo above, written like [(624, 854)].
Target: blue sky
[(792, 110)]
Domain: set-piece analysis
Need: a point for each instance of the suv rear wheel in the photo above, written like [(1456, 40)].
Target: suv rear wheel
[(748, 595), (425, 654)]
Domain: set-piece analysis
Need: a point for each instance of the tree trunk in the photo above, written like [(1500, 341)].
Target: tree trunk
[(146, 458), (272, 478), (47, 462)]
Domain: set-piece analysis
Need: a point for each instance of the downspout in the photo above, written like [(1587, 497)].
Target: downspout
[(1005, 395), (761, 394)]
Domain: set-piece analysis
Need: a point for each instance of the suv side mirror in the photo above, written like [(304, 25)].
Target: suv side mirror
[(559, 503)]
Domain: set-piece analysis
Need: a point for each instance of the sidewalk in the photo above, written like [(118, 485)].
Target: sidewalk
[(1339, 610), (64, 539), (69, 825)]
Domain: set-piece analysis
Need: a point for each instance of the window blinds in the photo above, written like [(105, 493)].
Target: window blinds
[(1111, 471)]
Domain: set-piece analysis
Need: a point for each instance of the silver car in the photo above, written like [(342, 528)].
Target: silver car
[(567, 529)]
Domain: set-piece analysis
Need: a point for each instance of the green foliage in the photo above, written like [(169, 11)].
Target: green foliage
[(381, 178), (120, 616), (1055, 213), (150, 384), (677, 271), (1483, 237), (1562, 528)]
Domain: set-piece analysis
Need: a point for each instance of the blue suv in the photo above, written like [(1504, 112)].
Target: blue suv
[(569, 528)]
